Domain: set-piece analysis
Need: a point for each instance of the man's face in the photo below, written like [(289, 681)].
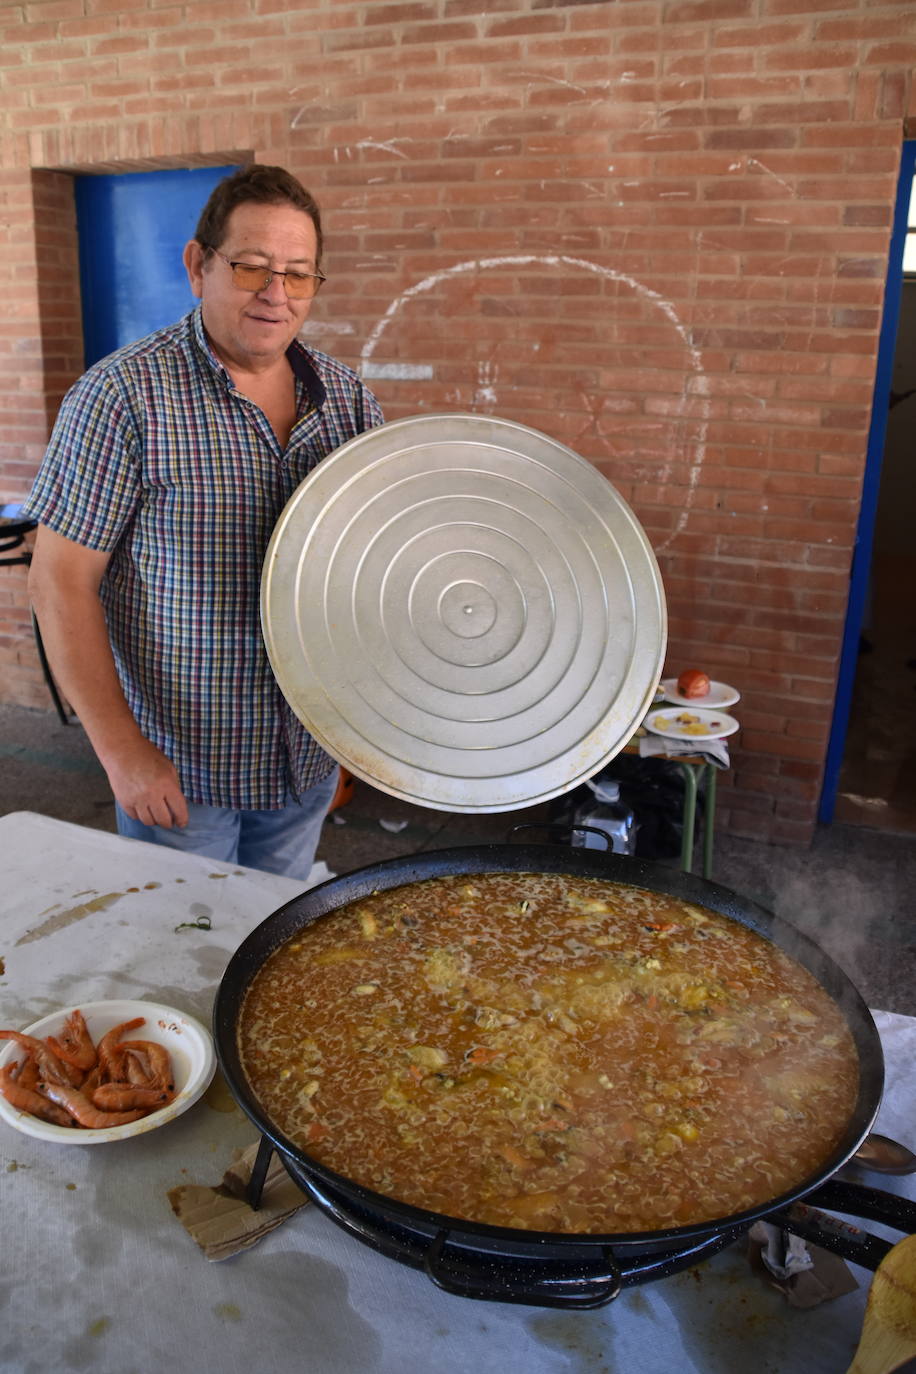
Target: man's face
[(250, 330)]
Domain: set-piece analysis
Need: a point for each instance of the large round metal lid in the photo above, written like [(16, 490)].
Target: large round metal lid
[(463, 612)]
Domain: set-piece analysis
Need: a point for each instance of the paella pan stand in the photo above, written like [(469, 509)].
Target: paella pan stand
[(537, 1278)]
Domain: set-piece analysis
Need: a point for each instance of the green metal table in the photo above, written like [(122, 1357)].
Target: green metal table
[(692, 766)]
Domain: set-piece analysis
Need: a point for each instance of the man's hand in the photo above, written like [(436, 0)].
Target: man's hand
[(146, 785)]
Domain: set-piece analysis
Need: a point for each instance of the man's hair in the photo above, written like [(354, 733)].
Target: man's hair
[(263, 185)]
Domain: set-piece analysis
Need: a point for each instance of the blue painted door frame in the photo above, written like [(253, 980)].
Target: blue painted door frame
[(862, 555), (132, 229)]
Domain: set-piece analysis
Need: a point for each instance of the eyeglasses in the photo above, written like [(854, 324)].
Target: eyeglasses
[(247, 277)]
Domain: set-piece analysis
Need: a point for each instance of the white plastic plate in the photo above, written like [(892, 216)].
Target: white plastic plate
[(188, 1043), (719, 696), (690, 723)]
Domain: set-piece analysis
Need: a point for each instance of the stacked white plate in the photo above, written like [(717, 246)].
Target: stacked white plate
[(696, 718)]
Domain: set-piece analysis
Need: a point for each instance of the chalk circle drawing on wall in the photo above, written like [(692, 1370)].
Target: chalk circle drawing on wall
[(680, 434)]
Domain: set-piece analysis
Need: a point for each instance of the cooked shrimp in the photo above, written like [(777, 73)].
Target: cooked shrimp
[(121, 1097), (91, 1081), (26, 1073), (156, 1061), (136, 1065), (75, 1043), (110, 1053), (26, 1100), (83, 1111), (125, 1080), (50, 1068)]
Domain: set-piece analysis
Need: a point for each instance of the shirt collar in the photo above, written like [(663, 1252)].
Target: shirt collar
[(297, 355), (303, 367)]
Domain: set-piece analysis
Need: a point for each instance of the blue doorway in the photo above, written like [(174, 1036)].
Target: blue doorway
[(861, 574), (132, 230)]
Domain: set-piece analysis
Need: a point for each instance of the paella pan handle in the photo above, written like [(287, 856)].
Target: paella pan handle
[(874, 1204), (537, 1282), (838, 1235), (557, 831)]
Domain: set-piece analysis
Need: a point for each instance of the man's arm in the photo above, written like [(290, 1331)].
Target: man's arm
[(64, 582)]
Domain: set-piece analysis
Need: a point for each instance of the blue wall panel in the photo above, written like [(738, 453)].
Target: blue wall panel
[(132, 230)]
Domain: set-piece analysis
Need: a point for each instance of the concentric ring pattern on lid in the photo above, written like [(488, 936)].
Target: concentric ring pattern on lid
[(463, 612)]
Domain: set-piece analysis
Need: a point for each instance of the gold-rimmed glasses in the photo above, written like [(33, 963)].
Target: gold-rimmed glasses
[(248, 276)]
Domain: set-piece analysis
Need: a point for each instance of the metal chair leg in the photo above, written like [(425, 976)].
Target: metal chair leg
[(46, 669), (709, 819), (690, 811)]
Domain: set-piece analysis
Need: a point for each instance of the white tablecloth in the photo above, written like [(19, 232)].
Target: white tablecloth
[(97, 1274)]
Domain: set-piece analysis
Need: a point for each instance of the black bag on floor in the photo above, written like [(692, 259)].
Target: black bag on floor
[(652, 788)]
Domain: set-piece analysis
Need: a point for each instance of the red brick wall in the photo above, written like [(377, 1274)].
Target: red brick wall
[(58, 285), (656, 230)]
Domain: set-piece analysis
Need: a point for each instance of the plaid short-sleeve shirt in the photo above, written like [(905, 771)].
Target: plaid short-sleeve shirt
[(157, 457)]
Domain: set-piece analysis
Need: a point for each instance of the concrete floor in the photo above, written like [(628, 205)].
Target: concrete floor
[(878, 776), (852, 891)]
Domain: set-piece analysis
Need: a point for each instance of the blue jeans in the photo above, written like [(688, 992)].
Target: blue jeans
[(281, 841)]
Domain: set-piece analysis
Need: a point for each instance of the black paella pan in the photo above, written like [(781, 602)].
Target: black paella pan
[(546, 1268)]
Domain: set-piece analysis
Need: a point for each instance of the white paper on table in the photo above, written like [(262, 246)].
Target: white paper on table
[(98, 1274)]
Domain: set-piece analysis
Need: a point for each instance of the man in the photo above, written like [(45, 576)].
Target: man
[(167, 469)]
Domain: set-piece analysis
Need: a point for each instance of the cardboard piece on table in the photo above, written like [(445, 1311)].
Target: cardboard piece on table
[(806, 1275), (220, 1220)]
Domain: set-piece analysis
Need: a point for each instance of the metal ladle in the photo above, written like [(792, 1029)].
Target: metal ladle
[(884, 1156)]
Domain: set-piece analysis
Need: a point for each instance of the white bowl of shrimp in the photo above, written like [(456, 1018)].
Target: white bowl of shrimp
[(103, 1071)]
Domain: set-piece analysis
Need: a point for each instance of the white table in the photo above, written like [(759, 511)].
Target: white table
[(97, 1274)]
